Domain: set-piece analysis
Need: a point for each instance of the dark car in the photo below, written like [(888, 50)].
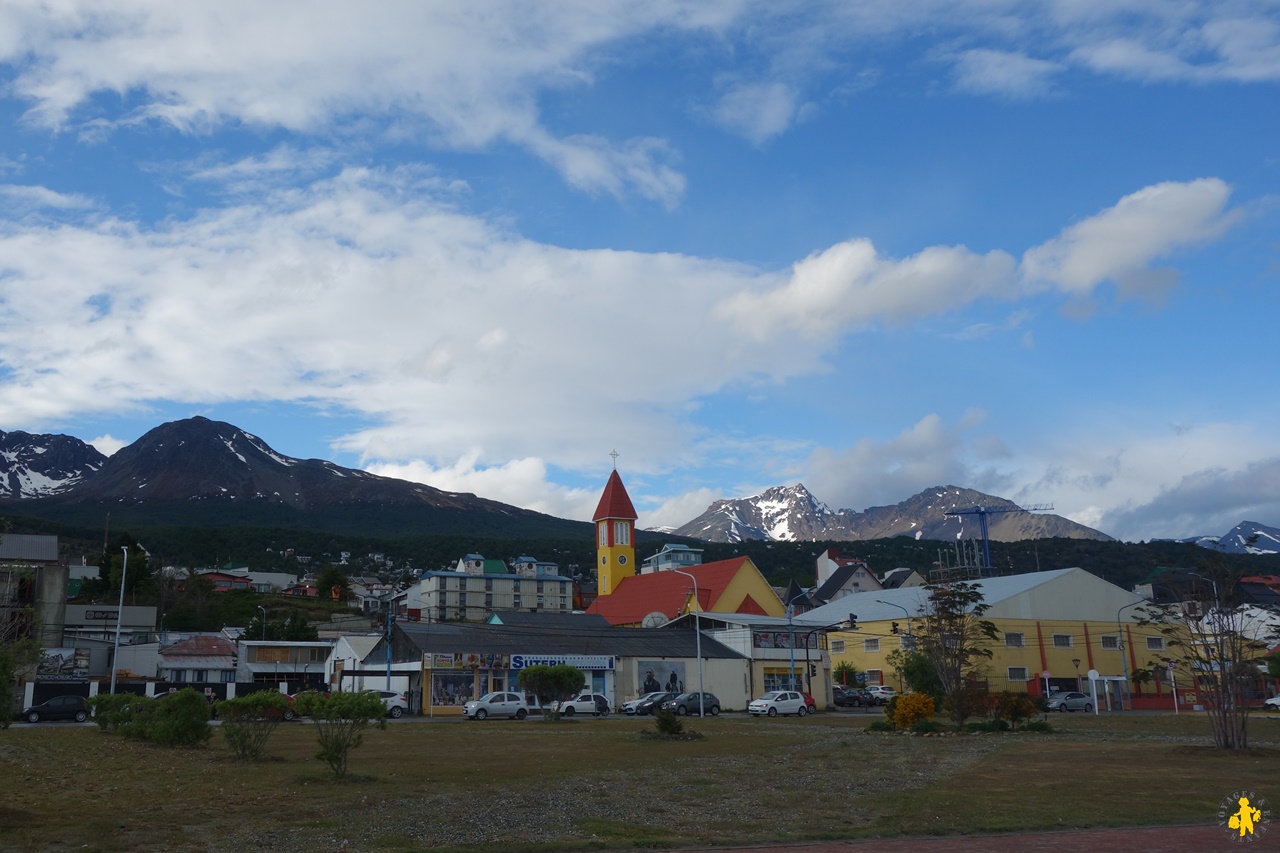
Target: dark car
[(852, 697), (58, 708), (687, 703), (647, 704)]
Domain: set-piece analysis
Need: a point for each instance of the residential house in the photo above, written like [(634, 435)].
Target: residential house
[(839, 576), (671, 556), (201, 658), (278, 661)]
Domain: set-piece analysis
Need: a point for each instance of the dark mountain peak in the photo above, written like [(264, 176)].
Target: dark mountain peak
[(35, 466)]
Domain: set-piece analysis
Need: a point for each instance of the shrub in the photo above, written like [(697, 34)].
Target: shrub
[(112, 710), (1017, 708), (1038, 726), (880, 726), (248, 721), (668, 723), (988, 726), (178, 719), (964, 703), (340, 720), (890, 707), (924, 727), (910, 709)]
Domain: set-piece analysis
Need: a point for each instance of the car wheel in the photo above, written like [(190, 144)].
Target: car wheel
[(81, 716), (1088, 708), (396, 712), (802, 710), (33, 717), (715, 710), (481, 713), (521, 714), (1062, 709), (568, 712), (773, 712), (289, 714), (680, 711)]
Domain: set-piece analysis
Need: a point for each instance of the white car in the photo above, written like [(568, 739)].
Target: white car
[(585, 703), (1272, 704), (777, 702), (499, 704), (881, 693), (397, 703)]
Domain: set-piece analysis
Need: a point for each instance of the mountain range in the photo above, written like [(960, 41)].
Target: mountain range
[(791, 513), (203, 473)]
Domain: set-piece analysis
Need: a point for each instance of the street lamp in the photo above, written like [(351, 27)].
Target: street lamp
[(1124, 661), (115, 655), (264, 622), (910, 637), (791, 639), (697, 630)]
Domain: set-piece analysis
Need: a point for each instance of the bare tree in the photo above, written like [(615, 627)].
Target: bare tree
[(954, 637), (1218, 638)]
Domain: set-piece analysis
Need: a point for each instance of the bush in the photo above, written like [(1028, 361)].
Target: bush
[(881, 726), (965, 703), (910, 709), (1017, 708), (924, 727), (248, 721), (988, 726), (1038, 726), (177, 719), (668, 723), (113, 710), (890, 707), (340, 720)]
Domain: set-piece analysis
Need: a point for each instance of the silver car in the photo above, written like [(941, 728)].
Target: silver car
[(1070, 702), (498, 704)]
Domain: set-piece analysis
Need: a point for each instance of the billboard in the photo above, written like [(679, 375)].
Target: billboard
[(656, 675), (63, 664)]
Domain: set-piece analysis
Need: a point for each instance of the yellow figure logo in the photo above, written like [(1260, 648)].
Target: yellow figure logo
[(1245, 819)]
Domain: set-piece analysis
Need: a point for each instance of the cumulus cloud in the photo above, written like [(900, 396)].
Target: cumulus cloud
[(107, 445), (1119, 243), (758, 111)]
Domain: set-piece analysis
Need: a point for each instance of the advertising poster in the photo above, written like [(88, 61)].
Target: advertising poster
[(63, 664), (656, 675)]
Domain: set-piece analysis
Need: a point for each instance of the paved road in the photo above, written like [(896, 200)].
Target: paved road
[(1199, 838)]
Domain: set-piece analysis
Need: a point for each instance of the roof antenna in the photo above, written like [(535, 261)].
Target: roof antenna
[(614, 454)]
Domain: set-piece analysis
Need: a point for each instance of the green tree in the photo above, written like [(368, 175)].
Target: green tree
[(248, 721), (953, 636), (295, 627), (551, 684), (845, 673), (340, 720), (112, 568), (333, 585), (916, 671)]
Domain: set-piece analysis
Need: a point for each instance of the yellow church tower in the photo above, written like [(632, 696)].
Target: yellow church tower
[(615, 521)]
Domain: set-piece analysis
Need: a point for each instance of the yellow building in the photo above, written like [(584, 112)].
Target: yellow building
[(1054, 628)]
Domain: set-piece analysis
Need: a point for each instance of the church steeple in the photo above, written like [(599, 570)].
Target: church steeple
[(615, 521)]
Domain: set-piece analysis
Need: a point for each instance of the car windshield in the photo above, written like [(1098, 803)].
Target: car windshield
[(766, 697)]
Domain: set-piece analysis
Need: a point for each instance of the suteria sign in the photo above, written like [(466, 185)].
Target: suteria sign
[(580, 661)]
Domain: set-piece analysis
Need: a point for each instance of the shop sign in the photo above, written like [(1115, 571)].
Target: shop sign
[(580, 661)]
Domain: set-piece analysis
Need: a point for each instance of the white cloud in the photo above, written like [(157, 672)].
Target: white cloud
[(758, 111), (23, 197), (107, 445), (1120, 242), (995, 72)]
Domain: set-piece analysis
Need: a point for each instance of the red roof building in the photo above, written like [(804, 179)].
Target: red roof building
[(726, 586)]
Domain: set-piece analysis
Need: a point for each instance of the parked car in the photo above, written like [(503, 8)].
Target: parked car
[(881, 693), (777, 702), (397, 703), (585, 703), (499, 704), (1272, 704), (646, 703), (1070, 701), (58, 708), (687, 703), (811, 703), (851, 697)]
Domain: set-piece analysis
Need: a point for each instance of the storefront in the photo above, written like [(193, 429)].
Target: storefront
[(450, 679)]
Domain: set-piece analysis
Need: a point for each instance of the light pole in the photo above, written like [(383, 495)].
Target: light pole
[(264, 622), (1076, 663), (910, 638), (791, 640), (697, 630), (115, 655), (1124, 661)]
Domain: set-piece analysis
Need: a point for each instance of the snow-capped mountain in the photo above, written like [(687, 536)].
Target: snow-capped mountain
[(36, 466), (790, 514), (1247, 537)]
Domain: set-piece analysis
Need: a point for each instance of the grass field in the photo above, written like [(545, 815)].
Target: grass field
[(601, 784)]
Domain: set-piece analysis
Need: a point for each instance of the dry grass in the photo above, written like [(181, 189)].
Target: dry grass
[(598, 783)]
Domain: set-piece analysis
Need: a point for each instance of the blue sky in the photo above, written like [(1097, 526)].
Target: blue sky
[(1027, 248)]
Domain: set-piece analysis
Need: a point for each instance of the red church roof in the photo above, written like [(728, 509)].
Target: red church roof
[(615, 503), (666, 592)]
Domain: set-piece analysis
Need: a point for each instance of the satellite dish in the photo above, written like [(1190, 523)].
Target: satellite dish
[(656, 619)]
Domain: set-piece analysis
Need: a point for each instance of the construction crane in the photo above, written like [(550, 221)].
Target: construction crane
[(983, 511)]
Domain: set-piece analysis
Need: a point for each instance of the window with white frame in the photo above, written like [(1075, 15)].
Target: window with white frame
[(837, 647), (1110, 642), (622, 533), (1014, 640), (1017, 673), (1155, 644), (871, 644), (875, 676), (908, 641), (1062, 641), (603, 538)]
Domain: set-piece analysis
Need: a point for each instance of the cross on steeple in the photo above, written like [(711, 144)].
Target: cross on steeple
[(614, 454)]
